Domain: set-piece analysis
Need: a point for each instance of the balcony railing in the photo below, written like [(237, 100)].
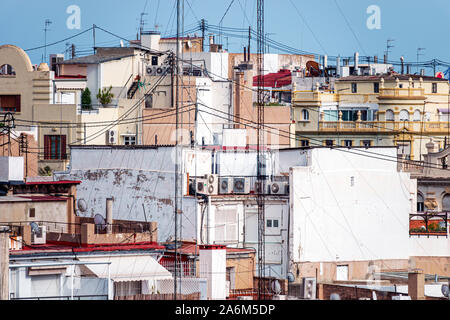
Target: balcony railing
[(403, 93), (384, 126), (428, 224)]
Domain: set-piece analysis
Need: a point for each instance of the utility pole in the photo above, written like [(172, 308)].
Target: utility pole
[(4, 263), (249, 40), (93, 35), (203, 28), (177, 147)]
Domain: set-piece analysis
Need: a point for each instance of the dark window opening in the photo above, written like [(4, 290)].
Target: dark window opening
[(329, 143), (32, 212), (9, 103), (55, 147), (376, 87), (354, 87)]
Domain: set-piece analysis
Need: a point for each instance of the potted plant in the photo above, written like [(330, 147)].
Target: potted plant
[(86, 102), (105, 96)]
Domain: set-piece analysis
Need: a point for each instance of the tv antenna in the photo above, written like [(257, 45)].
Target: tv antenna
[(389, 45), (419, 54), (47, 23)]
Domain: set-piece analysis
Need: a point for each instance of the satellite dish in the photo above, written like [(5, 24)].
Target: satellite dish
[(99, 222), (445, 290), (335, 296), (276, 287), (81, 204), (34, 227), (439, 75), (313, 68)]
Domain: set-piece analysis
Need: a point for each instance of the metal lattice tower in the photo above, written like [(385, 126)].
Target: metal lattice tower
[(260, 146)]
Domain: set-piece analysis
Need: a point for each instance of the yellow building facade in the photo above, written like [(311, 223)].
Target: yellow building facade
[(384, 110)]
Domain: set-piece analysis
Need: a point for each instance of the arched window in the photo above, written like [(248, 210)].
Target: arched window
[(417, 115), (305, 114), (404, 115), (7, 70), (420, 203), (446, 202), (389, 115)]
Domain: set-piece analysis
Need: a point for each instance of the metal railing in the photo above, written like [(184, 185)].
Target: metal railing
[(428, 224)]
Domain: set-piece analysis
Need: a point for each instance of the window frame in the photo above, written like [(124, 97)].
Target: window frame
[(354, 87)]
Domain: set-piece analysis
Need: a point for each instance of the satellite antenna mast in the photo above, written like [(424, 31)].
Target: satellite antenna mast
[(142, 21), (47, 23), (260, 145)]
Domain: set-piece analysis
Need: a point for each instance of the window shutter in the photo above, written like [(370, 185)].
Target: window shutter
[(17, 103), (46, 147), (63, 147)]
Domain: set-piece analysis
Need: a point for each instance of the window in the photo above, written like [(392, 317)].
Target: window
[(7, 70), (329, 143), (420, 203), (352, 115), (9, 103), (434, 88), (376, 87), (400, 85), (404, 149), (304, 143), (404, 115), (416, 116), (342, 273), (330, 115), (354, 87), (32, 212), (305, 114), (446, 202), (366, 143), (272, 223), (154, 60), (55, 147), (129, 140), (348, 143), (389, 115)]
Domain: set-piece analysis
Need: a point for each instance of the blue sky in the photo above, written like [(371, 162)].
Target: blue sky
[(321, 28)]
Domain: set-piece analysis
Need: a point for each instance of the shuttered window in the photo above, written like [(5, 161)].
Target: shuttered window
[(55, 147)]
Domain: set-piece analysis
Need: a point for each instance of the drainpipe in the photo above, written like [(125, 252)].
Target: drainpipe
[(109, 219)]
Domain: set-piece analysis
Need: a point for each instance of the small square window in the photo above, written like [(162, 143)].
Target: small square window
[(275, 223), (329, 143), (434, 88), (376, 87), (269, 223), (304, 143), (32, 212), (354, 87)]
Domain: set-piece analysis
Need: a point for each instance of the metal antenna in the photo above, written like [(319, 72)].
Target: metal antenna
[(260, 160), (388, 46), (46, 25), (419, 54)]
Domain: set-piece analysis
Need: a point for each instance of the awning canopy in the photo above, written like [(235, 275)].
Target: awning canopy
[(128, 268)]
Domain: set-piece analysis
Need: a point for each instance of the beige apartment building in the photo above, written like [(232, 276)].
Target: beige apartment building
[(388, 109)]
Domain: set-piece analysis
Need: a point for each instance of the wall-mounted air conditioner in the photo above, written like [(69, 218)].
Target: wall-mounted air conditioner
[(39, 235), (278, 188), (241, 185), (207, 185), (158, 70), (111, 136), (225, 185)]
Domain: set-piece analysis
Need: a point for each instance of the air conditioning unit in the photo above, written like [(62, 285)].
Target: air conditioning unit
[(278, 188), (260, 187), (39, 236), (207, 185), (225, 185), (158, 70), (309, 288), (112, 136), (241, 185)]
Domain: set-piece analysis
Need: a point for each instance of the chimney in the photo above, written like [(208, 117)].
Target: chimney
[(408, 69), (403, 66), (213, 263), (109, 219), (375, 59), (416, 285), (338, 66), (211, 39), (356, 57), (385, 59)]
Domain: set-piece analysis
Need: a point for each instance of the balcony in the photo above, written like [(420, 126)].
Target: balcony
[(428, 224), (401, 93), (314, 96), (384, 126)]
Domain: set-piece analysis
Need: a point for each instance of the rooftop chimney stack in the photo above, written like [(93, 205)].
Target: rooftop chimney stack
[(385, 59), (338, 66), (403, 66), (356, 57), (375, 59), (109, 219)]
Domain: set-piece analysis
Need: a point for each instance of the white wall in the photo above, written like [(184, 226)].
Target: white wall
[(332, 220)]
